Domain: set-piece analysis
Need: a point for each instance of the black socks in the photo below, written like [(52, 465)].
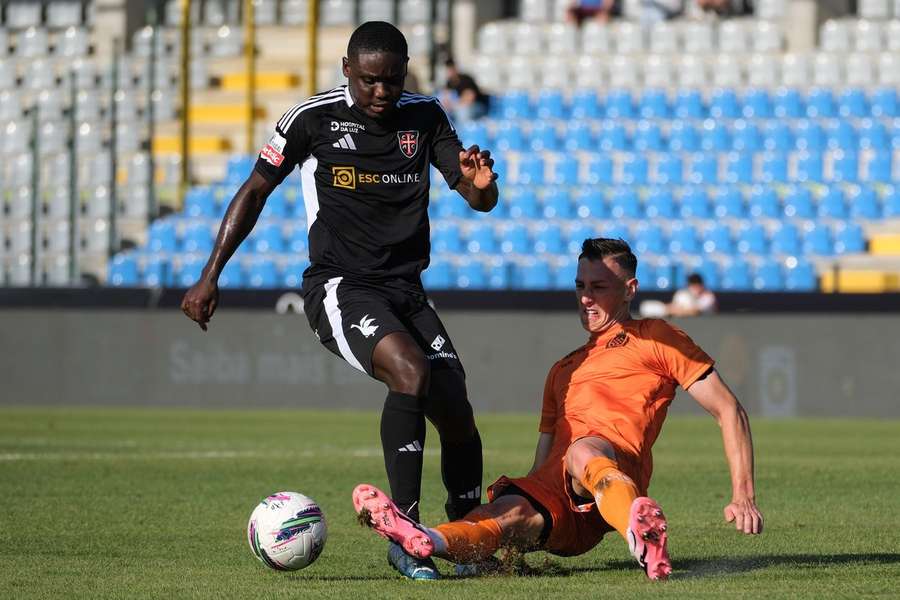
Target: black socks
[(403, 443)]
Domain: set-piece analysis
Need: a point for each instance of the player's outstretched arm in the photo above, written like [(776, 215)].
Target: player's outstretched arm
[(201, 299), (478, 184), (714, 396)]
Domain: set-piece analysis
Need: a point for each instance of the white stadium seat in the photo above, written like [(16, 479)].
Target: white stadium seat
[(414, 11), (658, 71), (762, 70), (888, 69), (15, 136), (561, 39), (860, 69), (527, 39), (589, 72), (21, 14), (867, 36), (40, 75), (874, 9), (336, 12), (892, 33), (32, 43), (19, 272), (628, 37), (834, 36), (795, 70), (19, 204), (767, 37), (490, 74), (8, 75), (20, 237), (698, 37), (63, 13), (492, 39), (56, 270), (522, 73), (596, 38), (55, 167), (624, 72), (534, 11), (88, 139), (50, 105), (87, 105), (664, 38), (72, 43), (770, 10), (733, 36), (4, 42), (97, 203), (376, 10), (135, 201), (727, 71), (555, 74), (827, 70), (227, 42), (95, 236), (56, 234), (293, 12), (419, 39), (10, 105), (57, 203), (20, 167), (692, 72)]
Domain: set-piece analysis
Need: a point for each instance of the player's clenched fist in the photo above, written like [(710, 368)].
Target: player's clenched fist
[(200, 301)]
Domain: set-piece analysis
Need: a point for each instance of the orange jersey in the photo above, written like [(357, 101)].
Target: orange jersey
[(618, 386)]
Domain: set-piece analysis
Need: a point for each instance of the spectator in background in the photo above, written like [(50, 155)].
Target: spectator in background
[(578, 11), (466, 101), (693, 300), (652, 11)]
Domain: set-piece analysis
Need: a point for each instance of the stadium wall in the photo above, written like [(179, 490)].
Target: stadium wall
[(779, 365)]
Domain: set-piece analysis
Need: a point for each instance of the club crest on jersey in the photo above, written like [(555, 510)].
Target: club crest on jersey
[(617, 342), (409, 142)]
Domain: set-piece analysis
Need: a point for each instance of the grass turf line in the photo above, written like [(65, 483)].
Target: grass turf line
[(153, 504)]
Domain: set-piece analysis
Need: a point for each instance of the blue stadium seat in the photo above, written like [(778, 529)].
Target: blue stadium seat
[(669, 169), (891, 201), (739, 167), (852, 103), (188, 270), (788, 104), (751, 239), (123, 271), (200, 202), (841, 135), (297, 238), (263, 274), (514, 239), (615, 231), (508, 137), (774, 167), (654, 104), (746, 137), (531, 170), (647, 136), (723, 104), (832, 205), (757, 104), (798, 203), (817, 240), (445, 238), (764, 202), (728, 202), (879, 167), (438, 276), (266, 238), (564, 273), (708, 269), (863, 203), (238, 168), (619, 105), (470, 274), (688, 104), (162, 237), (800, 276), (197, 238), (584, 105), (884, 103), (480, 239), (450, 206), (767, 277), (665, 275), (550, 105), (156, 272), (809, 136), (515, 105), (736, 276), (613, 136), (532, 274), (473, 132), (659, 203), (717, 240), (873, 135), (556, 203), (232, 276), (849, 238), (565, 171), (703, 168), (576, 235), (683, 137), (522, 202), (599, 170), (589, 203), (634, 169), (714, 136), (785, 239), (683, 239), (646, 275), (845, 166), (777, 136), (624, 203), (578, 137), (548, 239), (298, 206), (649, 239), (809, 167), (276, 205), (543, 137), (292, 274), (497, 273), (820, 104), (694, 203)]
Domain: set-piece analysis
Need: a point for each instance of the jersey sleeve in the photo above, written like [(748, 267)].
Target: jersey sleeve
[(288, 147), (548, 410), (675, 355), (446, 147)]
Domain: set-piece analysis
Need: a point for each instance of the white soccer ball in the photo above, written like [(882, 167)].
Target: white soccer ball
[(287, 531)]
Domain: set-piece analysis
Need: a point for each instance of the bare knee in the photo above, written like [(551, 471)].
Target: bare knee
[(581, 452)]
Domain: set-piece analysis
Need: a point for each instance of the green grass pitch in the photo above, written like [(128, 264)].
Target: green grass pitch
[(153, 504)]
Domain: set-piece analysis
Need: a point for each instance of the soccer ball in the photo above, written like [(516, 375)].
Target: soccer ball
[(287, 531)]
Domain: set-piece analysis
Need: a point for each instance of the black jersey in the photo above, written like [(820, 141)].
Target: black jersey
[(365, 181)]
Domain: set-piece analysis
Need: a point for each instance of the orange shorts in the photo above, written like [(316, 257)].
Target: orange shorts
[(575, 523)]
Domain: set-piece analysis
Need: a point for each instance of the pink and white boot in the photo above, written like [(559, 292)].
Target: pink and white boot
[(381, 514), (647, 537)]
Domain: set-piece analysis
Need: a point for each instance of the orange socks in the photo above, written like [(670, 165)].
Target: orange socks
[(613, 490), (471, 540)]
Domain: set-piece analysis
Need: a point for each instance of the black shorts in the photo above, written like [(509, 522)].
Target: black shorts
[(351, 316)]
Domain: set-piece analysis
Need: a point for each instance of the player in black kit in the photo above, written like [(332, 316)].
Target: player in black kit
[(364, 151)]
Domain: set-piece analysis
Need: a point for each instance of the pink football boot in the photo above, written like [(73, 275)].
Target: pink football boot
[(647, 537), (382, 515)]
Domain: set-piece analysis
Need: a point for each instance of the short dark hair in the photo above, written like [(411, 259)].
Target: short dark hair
[(618, 249), (695, 278), (377, 36)]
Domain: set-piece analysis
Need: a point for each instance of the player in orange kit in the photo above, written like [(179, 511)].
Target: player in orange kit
[(604, 405)]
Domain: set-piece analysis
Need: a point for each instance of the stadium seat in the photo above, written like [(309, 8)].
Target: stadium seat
[(817, 240), (267, 238), (238, 168), (767, 277), (774, 167), (785, 239), (723, 104), (688, 104), (845, 166), (598, 170), (530, 171), (646, 275), (777, 136), (800, 276), (575, 236), (161, 237), (548, 239), (543, 137), (550, 104), (197, 238), (470, 274), (596, 38), (514, 239), (276, 206), (764, 202), (589, 203), (263, 274), (746, 137), (647, 136), (756, 104), (123, 271), (613, 136), (515, 105), (831, 204), (474, 132), (619, 105), (523, 203), (795, 70), (578, 137), (717, 240), (809, 136), (683, 239), (714, 136), (891, 202), (736, 276), (668, 169), (479, 239), (653, 104), (564, 271), (584, 105), (820, 103), (624, 203), (763, 70), (532, 274), (292, 274), (565, 170), (496, 273), (649, 239), (691, 72), (508, 137), (728, 203), (187, 271), (849, 238), (727, 71), (797, 203), (156, 272), (703, 169), (883, 103), (878, 168), (873, 135), (683, 137), (556, 203), (863, 202), (788, 104), (199, 202), (852, 103), (634, 169), (659, 203), (751, 239), (738, 167), (694, 203), (809, 167), (841, 135)]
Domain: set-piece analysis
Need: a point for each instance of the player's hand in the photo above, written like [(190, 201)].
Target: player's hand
[(745, 516), (199, 303), (477, 166)]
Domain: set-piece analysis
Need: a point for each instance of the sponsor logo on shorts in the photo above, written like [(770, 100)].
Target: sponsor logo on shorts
[(446, 355), (366, 326), (438, 343), (617, 342), (347, 177)]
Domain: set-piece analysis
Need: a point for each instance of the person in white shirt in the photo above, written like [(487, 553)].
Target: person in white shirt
[(693, 300)]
